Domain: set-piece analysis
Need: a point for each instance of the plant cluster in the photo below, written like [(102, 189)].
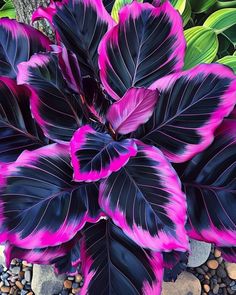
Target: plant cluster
[(116, 145)]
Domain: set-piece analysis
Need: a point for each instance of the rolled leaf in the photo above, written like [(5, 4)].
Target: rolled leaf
[(135, 108), (211, 197), (112, 263), (96, 155), (57, 110), (65, 257), (229, 61), (190, 107), (145, 199), (17, 128), (221, 20), (80, 26), (202, 46), (39, 184), (135, 54), (17, 43)]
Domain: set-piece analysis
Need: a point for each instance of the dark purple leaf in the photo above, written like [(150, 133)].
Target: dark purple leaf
[(17, 43), (228, 253), (17, 128), (40, 205), (108, 4), (209, 181), (112, 263), (135, 108), (96, 155), (190, 107), (65, 257), (145, 199), (80, 25), (56, 109), (147, 44)]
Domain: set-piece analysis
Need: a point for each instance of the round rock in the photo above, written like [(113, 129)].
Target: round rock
[(231, 270), (186, 284), (199, 253)]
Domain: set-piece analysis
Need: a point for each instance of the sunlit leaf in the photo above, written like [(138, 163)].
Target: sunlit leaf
[(8, 10), (230, 61), (118, 5)]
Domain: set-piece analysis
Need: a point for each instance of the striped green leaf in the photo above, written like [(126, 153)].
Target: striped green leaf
[(117, 6), (202, 46), (8, 10), (179, 5), (186, 15), (221, 20), (199, 6), (229, 60)]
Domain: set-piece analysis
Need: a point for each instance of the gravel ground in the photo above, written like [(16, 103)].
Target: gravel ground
[(213, 276)]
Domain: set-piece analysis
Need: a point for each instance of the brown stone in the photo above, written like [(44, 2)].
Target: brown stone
[(19, 285), (30, 293), (78, 278), (67, 284), (76, 291), (206, 288), (212, 264), (5, 289), (217, 253), (231, 270)]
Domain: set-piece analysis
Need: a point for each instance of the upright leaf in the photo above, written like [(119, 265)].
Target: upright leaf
[(96, 155), (202, 46), (112, 263), (39, 184), (118, 5), (56, 109), (144, 198), (146, 45), (135, 108), (17, 43), (179, 5), (190, 107), (17, 128), (209, 181)]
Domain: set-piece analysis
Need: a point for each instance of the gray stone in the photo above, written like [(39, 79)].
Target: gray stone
[(2, 256), (199, 254), (28, 275), (45, 282), (185, 284)]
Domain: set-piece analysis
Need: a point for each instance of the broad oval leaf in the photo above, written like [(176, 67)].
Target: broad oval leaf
[(96, 155), (229, 61), (199, 6), (202, 46), (39, 184), (18, 130), (135, 108), (56, 109), (17, 43), (112, 263), (144, 198), (134, 53), (190, 107), (228, 253), (8, 9), (80, 25), (65, 257), (118, 5), (221, 20), (179, 5), (209, 181)]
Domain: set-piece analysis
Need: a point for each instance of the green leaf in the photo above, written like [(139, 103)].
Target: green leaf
[(186, 15), (199, 6), (230, 34), (229, 60), (202, 46), (179, 5), (117, 6), (221, 20), (8, 10)]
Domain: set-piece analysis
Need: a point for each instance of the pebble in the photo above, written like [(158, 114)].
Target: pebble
[(199, 253), (216, 289), (231, 270), (217, 253), (5, 289), (67, 284), (78, 278), (212, 264), (19, 285), (206, 288), (28, 276), (221, 272)]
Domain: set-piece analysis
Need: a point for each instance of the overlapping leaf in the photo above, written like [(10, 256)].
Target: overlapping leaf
[(190, 107), (56, 109), (17, 128), (145, 199), (112, 263), (147, 44), (228, 253), (39, 184), (209, 181), (17, 43), (96, 155)]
